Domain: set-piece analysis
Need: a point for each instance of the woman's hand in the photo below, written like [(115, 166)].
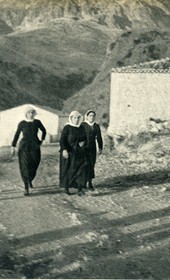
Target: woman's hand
[(13, 151), (81, 144), (65, 154)]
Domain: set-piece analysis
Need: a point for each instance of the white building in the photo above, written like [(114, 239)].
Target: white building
[(137, 95), (52, 119)]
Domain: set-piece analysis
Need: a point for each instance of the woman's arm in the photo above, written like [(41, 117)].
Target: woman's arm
[(99, 138), (15, 139), (17, 134), (64, 138), (42, 128), (64, 142)]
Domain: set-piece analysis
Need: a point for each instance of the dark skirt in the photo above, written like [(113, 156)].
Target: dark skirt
[(91, 155), (73, 171), (28, 164)]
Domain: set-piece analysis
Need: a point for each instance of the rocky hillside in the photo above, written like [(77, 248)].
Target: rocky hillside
[(113, 13), (61, 52), (128, 49)]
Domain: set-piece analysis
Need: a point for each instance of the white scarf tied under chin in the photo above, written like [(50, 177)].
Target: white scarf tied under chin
[(28, 109), (72, 114), (86, 116)]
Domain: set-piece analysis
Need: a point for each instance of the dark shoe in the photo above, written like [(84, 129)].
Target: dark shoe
[(67, 192), (90, 185), (91, 188), (26, 193), (26, 188), (80, 193), (85, 187)]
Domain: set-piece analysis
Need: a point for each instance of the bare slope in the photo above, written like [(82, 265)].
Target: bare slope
[(47, 65)]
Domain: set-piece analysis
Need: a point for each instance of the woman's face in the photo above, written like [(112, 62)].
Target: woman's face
[(75, 119), (91, 117), (30, 115)]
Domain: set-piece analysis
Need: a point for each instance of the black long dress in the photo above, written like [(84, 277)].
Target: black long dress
[(29, 153), (73, 169), (93, 133)]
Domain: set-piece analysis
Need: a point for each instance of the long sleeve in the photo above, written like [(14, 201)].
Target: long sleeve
[(63, 139), (42, 128), (16, 136), (99, 137)]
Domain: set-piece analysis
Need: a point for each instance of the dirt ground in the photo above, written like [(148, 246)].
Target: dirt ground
[(119, 231)]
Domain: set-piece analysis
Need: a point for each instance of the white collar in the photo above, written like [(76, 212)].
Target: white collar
[(28, 120), (75, 125), (91, 124)]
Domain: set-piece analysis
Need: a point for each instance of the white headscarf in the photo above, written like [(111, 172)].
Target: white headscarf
[(75, 113), (28, 109), (86, 116)]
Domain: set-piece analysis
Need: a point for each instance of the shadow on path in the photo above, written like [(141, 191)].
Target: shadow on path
[(38, 191), (121, 183)]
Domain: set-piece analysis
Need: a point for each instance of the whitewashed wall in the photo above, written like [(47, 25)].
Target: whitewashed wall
[(9, 120), (136, 97)]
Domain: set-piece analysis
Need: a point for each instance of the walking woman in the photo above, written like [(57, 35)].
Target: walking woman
[(73, 160), (29, 153), (93, 133)]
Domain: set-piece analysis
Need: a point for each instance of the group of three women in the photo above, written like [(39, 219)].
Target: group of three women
[(77, 150)]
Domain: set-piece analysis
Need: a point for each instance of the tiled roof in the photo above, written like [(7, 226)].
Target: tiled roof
[(155, 66)]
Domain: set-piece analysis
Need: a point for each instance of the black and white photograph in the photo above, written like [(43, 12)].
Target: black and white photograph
[(85, 139)]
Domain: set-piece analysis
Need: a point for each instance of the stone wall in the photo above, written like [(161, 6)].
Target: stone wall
[(138, 99)]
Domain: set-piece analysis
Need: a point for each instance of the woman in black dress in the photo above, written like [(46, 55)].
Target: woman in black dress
[(73, 160), (93, 132), (29, 153)]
